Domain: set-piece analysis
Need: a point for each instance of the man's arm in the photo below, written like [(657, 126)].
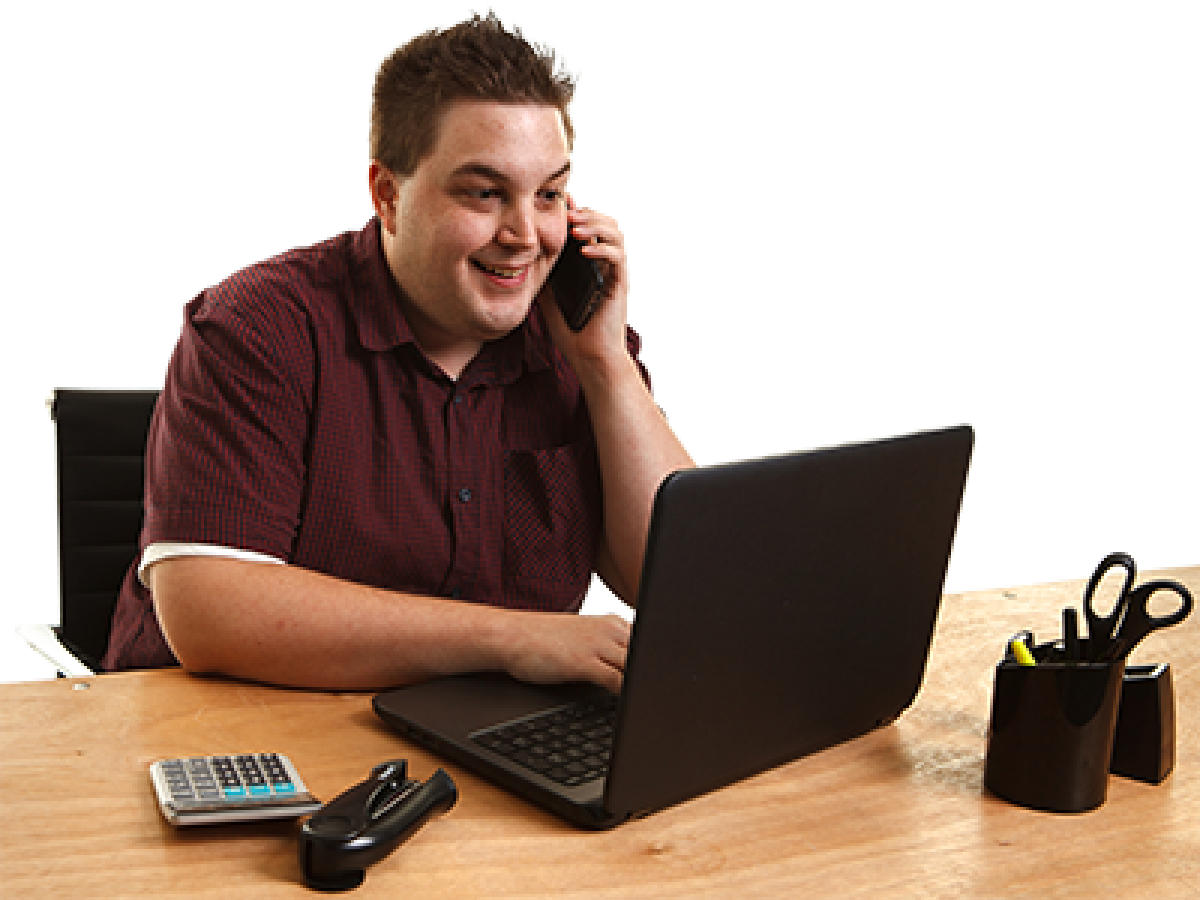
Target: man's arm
[(636, 446), (313, 630), (637, 449)]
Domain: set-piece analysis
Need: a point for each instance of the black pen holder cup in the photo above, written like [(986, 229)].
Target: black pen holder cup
[(1144, 745), (1050, 738)]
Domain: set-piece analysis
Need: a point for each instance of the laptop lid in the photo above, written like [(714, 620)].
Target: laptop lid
[(787, 604)]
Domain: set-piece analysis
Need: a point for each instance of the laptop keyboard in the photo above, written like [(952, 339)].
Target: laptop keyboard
[(569, 744)]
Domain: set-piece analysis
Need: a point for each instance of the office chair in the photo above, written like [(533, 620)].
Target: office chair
[(101, 444)]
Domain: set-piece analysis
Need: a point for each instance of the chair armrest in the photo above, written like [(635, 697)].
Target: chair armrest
[(43, 640)]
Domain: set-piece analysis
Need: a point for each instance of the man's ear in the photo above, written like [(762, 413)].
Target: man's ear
[(385, 190)]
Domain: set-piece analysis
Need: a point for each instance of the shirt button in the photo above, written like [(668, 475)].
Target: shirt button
[(464, 495)]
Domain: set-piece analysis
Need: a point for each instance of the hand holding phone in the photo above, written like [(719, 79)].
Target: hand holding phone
[(578, 284)]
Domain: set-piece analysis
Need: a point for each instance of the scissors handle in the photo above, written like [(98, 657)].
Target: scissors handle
[(1141, 601), (1101, 628), (1138, 622)]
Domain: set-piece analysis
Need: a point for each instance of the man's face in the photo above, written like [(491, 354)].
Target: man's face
[(472, 234)]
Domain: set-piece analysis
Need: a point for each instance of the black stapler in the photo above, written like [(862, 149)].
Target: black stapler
[(367, 822)]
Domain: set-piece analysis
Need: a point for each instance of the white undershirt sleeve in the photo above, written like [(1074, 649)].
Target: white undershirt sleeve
[(169, 549)]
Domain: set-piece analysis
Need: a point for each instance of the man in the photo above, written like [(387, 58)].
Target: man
[(386, 458)]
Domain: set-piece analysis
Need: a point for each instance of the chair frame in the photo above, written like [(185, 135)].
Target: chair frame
[(52, 642)]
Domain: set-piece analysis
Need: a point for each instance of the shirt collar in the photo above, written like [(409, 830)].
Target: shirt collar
[(375, 307), (375, 300)]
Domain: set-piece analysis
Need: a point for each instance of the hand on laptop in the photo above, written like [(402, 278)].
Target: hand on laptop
[(551, 648)]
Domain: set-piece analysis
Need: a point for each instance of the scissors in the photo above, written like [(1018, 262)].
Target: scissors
[(1113, 636)]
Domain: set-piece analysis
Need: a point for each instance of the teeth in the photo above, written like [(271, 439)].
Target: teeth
[(503, 273)]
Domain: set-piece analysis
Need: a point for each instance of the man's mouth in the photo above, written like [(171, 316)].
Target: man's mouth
[(502, 272)]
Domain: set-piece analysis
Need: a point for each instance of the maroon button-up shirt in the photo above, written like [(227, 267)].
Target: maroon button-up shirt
[(300, 419)]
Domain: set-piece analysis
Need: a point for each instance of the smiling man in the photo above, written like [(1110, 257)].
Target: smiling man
[(386, 457)]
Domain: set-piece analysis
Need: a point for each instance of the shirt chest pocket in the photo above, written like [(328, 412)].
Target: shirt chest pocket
[(552, 521)]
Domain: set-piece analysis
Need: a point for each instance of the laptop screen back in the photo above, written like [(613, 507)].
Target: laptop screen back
[(786, 605)]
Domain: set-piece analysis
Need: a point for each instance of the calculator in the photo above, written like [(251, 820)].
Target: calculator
[(247, 787)]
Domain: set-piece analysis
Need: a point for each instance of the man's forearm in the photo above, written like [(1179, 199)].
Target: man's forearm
[(292, 626), (637, 449)]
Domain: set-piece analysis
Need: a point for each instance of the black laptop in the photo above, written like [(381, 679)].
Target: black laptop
[(786, 604)]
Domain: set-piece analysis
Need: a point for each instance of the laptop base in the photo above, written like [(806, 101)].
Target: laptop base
[(435, 701)]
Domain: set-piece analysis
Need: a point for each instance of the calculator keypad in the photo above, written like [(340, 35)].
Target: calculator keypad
[(249, 776)]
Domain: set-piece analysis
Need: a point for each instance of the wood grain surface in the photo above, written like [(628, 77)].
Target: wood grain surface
[(899, 812)]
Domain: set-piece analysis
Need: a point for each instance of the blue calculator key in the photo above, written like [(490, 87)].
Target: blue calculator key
[(288, 788), (260, 790), (237, 791)]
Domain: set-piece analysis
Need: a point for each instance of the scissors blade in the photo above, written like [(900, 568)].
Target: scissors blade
[(1102, 628)]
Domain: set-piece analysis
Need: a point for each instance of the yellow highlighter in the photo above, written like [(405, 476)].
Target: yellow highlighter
[(1021, 652)]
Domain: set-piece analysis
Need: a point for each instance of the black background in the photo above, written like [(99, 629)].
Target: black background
[(834, 233)]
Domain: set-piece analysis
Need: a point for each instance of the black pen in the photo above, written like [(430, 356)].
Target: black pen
[(1071, 634)]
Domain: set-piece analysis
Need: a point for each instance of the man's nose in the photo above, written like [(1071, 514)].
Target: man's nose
[(519, 226)]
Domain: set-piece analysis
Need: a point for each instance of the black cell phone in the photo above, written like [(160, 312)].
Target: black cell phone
[(578, 284)]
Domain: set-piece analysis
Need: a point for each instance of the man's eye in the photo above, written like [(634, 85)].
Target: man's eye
[(552, 195), (484, 193)]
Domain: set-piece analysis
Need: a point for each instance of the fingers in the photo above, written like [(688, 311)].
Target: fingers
[(601, 237), (609, 679), (611, 654), (606, 677), (593, 227), (558, 647), (600, 650), (602, 240)]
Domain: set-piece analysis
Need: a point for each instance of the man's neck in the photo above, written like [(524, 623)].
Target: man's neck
[(450, 353)]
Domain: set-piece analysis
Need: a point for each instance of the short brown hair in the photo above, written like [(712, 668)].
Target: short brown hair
[(474, 60)]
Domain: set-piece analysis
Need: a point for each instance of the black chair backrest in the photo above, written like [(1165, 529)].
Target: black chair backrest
[(101, 440)]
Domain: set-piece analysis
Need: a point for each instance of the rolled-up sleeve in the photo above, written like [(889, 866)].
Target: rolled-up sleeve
[(226, 451)]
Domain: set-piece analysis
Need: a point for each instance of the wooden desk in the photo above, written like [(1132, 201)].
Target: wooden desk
[(898, 812)]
